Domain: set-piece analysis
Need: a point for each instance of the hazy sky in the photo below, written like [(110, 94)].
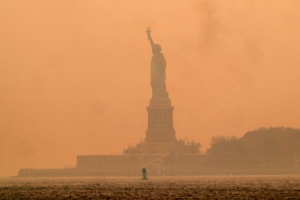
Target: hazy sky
[(75, 74)]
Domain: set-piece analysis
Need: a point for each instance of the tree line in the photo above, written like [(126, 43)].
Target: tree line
[(261, 149)]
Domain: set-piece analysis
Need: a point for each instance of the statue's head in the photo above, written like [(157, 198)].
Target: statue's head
[(156, 48)]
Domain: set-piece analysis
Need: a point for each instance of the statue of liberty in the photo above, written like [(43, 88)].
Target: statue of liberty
[(157, 70)]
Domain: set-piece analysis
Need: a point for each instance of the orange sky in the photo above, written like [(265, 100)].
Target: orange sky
[(74, 75)]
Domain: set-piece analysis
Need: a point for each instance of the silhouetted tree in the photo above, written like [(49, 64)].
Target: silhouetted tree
[(263, 148)]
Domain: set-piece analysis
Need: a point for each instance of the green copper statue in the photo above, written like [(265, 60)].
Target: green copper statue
[(158, 70)]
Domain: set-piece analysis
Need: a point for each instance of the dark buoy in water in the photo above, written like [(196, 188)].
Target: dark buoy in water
[(144, 171)]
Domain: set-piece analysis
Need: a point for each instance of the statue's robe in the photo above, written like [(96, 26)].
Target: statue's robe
[(158, 75)]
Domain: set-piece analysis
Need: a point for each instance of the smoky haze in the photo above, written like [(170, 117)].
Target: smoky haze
[(75, 74)]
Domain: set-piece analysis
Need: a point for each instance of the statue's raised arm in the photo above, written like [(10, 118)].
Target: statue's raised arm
[(148, 31), (155, 47)]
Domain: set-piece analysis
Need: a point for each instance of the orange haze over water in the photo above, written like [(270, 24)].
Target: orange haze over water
[(75, 74)]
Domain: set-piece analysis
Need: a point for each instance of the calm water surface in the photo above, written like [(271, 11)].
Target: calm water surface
[(200, 187)]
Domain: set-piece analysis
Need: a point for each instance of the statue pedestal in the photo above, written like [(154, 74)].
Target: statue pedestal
[(160, 121), (160, 134)]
